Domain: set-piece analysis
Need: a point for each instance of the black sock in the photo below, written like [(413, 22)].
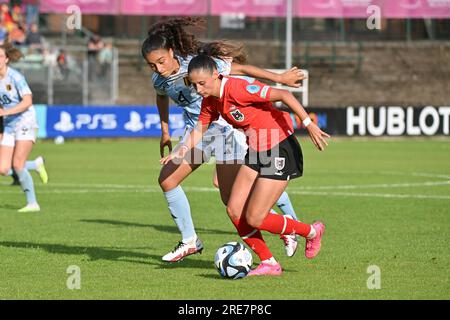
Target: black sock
[(15, 177)]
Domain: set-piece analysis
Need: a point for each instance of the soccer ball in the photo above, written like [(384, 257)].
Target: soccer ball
[(233, 260), (59, 140)]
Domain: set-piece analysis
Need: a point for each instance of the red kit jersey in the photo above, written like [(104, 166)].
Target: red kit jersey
[(246, 105)]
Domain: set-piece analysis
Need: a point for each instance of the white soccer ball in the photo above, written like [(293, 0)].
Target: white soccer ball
[(233, 260), (59, 140)]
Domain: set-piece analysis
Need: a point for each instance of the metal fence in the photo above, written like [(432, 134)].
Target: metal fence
[(273, 28), (71, 75)]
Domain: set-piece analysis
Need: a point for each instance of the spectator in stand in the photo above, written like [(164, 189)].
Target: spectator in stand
[(95, 44), (3, 33), (62, 64), (105, 58), (31, 11), (5, 17), (34, 38), (17, 15), (17, 35)]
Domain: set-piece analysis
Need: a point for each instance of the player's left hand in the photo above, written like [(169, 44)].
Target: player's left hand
[(318, 136), (292, 77), (176, 155), (165, 160)]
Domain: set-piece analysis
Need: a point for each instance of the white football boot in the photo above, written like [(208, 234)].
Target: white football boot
[(34, 207), (290, 242), (183, 250)]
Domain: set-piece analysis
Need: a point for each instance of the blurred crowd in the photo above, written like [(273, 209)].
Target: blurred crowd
[(19, 24)]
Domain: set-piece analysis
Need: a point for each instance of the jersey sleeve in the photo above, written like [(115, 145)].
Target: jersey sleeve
[(21, 85), (208, 113), (245, 93), (159, 91), (223, 65)]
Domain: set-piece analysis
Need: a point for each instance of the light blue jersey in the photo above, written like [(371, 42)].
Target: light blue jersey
[(13, 87), (182, 92)]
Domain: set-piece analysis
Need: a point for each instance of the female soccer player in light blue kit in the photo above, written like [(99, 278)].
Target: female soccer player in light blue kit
[(37, 164), (20, 124), (168, 51)]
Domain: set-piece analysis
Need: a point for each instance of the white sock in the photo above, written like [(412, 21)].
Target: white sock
[(190, 240), (271, 261), (312, 233), (39, 161)]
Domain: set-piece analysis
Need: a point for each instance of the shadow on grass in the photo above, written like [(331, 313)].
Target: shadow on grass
[(161, 228), (217, 276), (9, 207), (111, 254)]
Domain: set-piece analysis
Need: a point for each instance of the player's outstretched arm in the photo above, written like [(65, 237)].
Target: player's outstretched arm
[(194, 137), (317, 136), (290, 77), (25, 104), (162, 102)]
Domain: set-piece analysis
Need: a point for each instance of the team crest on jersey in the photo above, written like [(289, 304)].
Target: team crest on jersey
[(253, 88), (8, 87), (237, 115), (280, 163)]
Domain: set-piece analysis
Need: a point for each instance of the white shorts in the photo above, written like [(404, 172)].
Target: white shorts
[(21, 131), (223, 142)]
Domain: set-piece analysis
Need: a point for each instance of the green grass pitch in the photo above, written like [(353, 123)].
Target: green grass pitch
[(385, 203)]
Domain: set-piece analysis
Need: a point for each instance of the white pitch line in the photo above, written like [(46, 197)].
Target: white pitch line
[(370, 195), (431, 175), (101, 185), (420, 174), (83, 191), (389, 173), (298, 192), (383, 185), (94, 185), (414, 174), (327, 187)]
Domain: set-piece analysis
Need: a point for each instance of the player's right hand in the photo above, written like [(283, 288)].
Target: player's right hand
[(292, 77), (165, 141)]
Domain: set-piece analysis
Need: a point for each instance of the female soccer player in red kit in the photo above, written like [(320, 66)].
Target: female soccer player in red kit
[(273, 158)]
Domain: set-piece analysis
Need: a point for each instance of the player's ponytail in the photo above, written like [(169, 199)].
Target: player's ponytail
[(171, 34), (12, 53), (224, 50)]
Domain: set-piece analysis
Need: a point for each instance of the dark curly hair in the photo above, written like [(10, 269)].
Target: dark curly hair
[(172, 34)]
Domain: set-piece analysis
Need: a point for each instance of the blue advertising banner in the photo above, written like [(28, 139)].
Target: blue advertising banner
[(117, 121), (143, 121)]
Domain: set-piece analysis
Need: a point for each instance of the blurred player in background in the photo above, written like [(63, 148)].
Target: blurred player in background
[(20, 124), (168, 50), (248, 105)]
